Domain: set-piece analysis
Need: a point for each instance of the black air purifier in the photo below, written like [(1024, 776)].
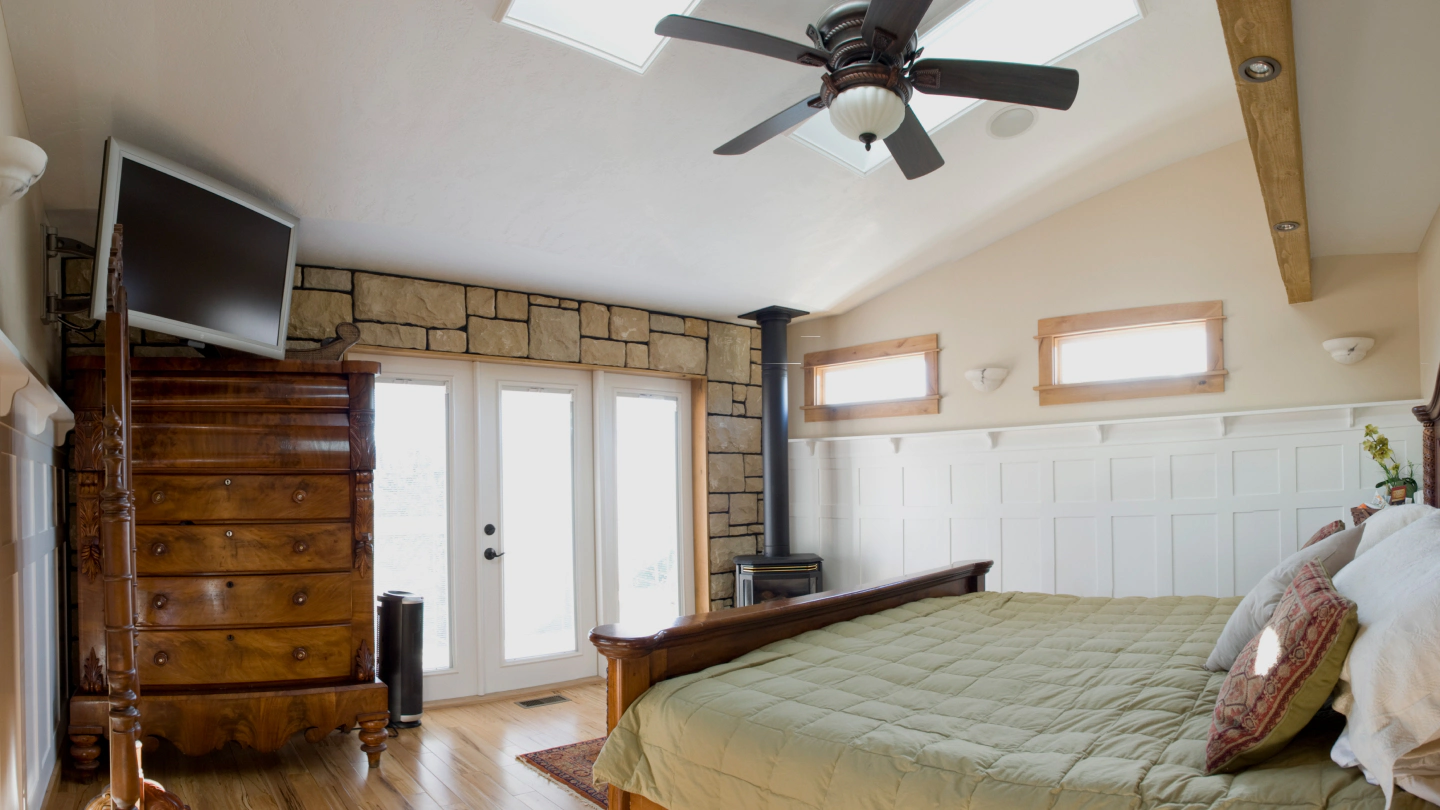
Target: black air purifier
[(402, 642)]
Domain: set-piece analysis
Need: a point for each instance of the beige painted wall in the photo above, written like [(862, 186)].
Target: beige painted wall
[(21, 298), (1428, 288), (1192, 231)]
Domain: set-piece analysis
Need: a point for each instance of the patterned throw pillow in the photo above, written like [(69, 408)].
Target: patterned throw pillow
[(1284, 674), (1324, 532)]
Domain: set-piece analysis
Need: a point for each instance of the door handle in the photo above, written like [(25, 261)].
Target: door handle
[(491, 554)]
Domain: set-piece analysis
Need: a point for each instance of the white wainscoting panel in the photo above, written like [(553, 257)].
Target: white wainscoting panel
[(1149, 507)]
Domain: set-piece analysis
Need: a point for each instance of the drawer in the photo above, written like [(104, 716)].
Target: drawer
[(237, 392), (194, 657), (249, 600), (160, 498), (165, 440), (258, 547)]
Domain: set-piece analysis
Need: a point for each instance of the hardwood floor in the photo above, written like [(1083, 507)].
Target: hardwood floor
[(462, 757)]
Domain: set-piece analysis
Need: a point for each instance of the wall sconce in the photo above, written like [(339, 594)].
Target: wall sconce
[(986, 379), (1348, 350), (21, 164)]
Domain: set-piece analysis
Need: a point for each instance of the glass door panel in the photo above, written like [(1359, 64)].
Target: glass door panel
[(537, 504)]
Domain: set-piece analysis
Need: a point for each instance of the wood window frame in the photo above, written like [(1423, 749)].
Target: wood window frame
[(927, 345), (1211, 381)]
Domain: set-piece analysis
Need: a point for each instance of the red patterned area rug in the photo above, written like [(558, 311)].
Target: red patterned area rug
[(570, 766)]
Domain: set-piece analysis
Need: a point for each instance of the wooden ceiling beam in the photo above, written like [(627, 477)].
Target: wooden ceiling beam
[(1255, 28)]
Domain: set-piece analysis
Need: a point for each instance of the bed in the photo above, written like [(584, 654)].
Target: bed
[(927, 691)]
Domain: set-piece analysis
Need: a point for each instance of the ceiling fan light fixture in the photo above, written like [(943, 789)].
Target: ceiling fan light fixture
[(867, 113)]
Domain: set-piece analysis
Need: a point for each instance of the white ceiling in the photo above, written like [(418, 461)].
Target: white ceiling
[(1369, 122), (426, 138)]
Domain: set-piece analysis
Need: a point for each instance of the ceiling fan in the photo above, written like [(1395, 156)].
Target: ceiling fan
[(872, 66)]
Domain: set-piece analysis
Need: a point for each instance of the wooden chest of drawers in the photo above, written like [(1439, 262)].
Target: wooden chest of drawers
[(254, 599)]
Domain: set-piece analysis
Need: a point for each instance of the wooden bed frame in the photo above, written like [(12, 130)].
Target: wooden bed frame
[(638, 658)]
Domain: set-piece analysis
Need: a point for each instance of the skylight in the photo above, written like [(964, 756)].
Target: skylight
[(619, 31), (1038, 32)]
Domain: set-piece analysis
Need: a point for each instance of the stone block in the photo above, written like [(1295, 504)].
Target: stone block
[(724, 550), (694, 327), (721, 604), (719, 503), (327, 278), (447, 340), (743, 508), (730, 434), (499, 338), (566, 303), (80, 278), (666, 323), (632, 325), (737, 409), (394, 335), (734, 530), (544, 301), (392, 299), (755, 465), (738, 393), (755, 337), (729, 355), (314, 313), (718, 398), (677, 353), (755, 378), (512, 306), (722, 586), (554, 334), (480, 301), (637, 355), (719, 524), (754, 484), (297, 278), (594, 320), (602, 352), (755, 355), (726, 473), (754, 406)]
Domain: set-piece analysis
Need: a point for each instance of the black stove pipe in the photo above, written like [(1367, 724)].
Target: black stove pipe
[(775, 432)]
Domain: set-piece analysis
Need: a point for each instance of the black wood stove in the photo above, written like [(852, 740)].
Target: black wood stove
[(776, 574)]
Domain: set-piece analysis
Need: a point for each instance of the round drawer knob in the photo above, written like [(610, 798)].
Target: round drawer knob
[(158, 496), (300, 654), (300, 598), (301, 546), (159, 549), (161, 658), (227, 482), (229, 533), (299, 496), (160, 601)]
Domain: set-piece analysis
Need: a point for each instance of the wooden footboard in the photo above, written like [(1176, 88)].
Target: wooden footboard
[(639, 657)]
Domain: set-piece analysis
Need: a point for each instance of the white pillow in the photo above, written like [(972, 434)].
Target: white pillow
[(1389, 520), (1250, 616), (1390, 684)]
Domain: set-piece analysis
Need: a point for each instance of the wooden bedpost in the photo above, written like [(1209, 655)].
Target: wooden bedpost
[(128, 787), (637, 658)]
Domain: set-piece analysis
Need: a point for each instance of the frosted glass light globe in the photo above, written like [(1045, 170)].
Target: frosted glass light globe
[(21, 164), (867, 110)]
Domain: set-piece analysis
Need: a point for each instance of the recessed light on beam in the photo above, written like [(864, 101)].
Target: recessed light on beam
[(1259, 69), (1287, 226)]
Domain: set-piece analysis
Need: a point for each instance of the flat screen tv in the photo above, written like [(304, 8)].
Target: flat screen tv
[(202, 260)]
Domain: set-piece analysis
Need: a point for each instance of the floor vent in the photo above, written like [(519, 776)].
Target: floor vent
[(542, 701)]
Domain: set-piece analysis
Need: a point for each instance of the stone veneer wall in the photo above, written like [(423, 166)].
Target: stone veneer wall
[(410, 313)]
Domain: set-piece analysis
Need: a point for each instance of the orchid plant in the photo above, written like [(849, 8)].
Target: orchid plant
[(1378, 446)]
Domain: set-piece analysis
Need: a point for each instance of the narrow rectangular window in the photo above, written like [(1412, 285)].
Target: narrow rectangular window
[(1131, 353), (412, 502), (647, 467), (889, 378)]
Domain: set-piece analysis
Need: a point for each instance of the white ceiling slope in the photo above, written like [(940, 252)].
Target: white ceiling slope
[(1369, 122), (425, 138)]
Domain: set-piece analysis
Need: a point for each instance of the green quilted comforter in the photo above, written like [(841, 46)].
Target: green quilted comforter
[(989, 700)]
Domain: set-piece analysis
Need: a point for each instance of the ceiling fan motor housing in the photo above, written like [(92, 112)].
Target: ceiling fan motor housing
[(865, 89)]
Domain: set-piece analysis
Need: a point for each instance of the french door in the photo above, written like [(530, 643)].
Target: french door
[(528, 504)]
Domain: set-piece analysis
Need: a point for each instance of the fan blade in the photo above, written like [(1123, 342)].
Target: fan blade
[(728, 36), (895, 19), (770, 127), (1035, 85), (912, 148)]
